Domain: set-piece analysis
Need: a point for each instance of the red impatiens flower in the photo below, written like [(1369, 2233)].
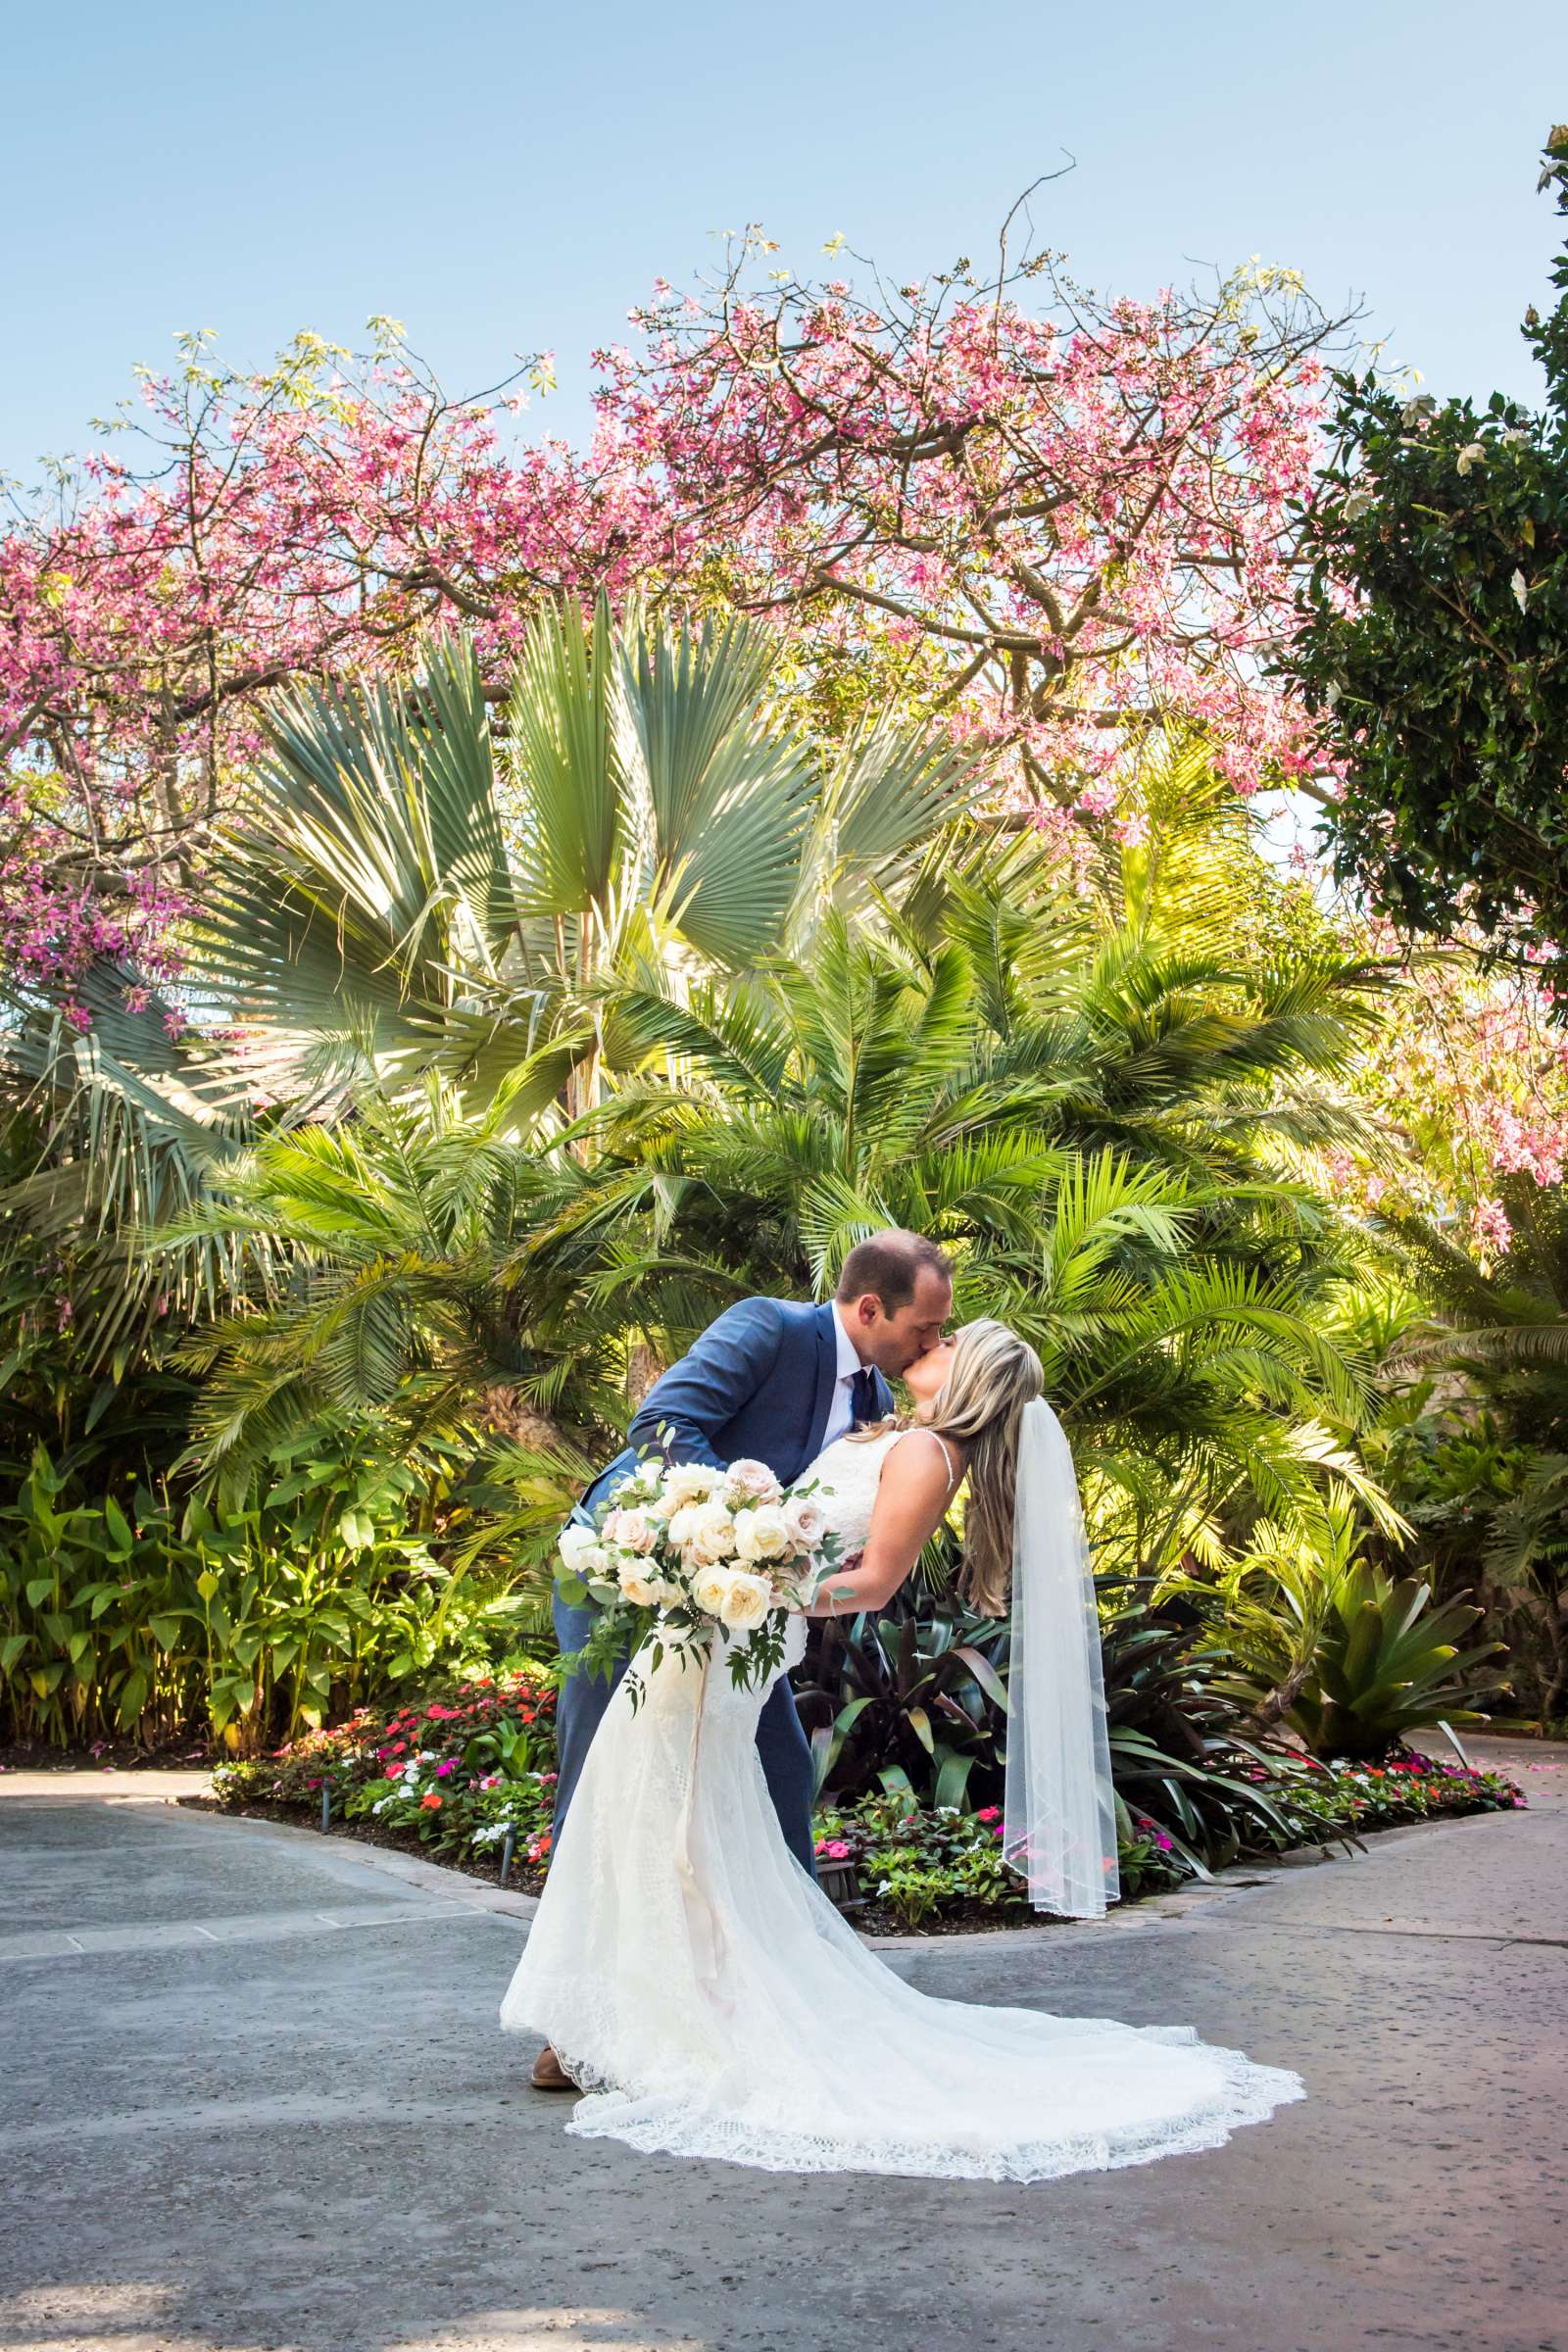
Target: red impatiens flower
[(430, 1802)]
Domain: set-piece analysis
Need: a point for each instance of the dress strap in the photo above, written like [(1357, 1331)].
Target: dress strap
[(921, 1431)]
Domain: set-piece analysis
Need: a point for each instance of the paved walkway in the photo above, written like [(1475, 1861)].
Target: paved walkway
[(253, 2099)]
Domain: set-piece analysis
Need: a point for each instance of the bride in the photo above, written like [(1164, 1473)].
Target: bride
[(706, 1993)]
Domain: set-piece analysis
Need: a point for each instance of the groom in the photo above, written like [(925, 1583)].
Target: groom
[(776, 1382)]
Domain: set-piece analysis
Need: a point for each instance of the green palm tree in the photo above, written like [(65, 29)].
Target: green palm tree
[(419, 889), (1176, 1285), (467, 889), (398, 1230)]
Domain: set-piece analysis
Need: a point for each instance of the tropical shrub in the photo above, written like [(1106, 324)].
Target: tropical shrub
[(1347, 1658), (148, 1619)]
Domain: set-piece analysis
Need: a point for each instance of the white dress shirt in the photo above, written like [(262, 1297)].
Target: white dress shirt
[(841, 1413)]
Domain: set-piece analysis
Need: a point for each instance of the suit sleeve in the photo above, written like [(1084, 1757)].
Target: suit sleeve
[(681, 1413)]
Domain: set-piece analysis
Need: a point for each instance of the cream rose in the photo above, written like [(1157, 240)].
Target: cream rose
[(749, 1481), (691, 1482), (633, 1531), (681, 1523), (747, 1600), (806, 1522), (708, 1589), (711, 1537), (643, 1592), (761, 1534)]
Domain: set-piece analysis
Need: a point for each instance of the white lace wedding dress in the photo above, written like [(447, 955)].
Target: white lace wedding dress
[(713, 2002)]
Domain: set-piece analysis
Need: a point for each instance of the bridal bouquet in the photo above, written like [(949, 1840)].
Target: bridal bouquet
[(682, 1550)]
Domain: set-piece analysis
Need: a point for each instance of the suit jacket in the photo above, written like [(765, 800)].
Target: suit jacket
[(759, 1382)]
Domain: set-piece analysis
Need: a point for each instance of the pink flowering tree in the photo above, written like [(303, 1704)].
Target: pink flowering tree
[(1471, 1077), (1056, 522), (1066, 521), (239, 533)]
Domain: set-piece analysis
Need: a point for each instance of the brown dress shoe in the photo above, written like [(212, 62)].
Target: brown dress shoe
[(549, 2074)]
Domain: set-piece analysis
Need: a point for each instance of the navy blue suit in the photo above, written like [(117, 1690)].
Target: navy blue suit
[(760, 1383)]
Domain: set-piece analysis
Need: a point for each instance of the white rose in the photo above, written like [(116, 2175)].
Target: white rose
[(691, 1482), (708, 1589), (575, 1539), (643, 1592), (748, 1480), (594, 1562), (761, 1534), (805, 1520), (636, 1532), (710, 1535), (747, 1600)]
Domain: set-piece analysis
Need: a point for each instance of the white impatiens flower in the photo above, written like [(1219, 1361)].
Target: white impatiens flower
[(761, 1534), (750, 1481), (747, 1600), (805, 1520), (575, 1540)]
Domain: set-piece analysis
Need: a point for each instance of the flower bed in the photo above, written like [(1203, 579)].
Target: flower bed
[(919, 1867), (452, 1775)]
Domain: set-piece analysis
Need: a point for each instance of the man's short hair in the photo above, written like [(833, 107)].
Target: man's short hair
[(888, 1267)]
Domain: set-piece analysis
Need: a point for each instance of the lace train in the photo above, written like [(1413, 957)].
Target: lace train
[(714, 2003)]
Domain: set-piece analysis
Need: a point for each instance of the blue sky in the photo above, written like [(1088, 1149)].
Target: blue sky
[(511, 177)]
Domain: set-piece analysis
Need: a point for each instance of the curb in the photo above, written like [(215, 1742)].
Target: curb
[(432, 1877)]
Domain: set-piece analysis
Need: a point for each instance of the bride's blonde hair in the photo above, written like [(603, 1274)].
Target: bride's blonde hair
[(980, 1407)]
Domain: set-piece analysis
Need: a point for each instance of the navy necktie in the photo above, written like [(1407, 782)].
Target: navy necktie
[(863, 1397)]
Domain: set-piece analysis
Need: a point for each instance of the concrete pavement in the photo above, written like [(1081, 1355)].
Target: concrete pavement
[(254, 2099)]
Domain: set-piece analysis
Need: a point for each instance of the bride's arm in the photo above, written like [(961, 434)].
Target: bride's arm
[(913, 1494)]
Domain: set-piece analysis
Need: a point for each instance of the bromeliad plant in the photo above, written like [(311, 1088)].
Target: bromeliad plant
[(1388, 1661), (1308, 1633), (910, 1701)]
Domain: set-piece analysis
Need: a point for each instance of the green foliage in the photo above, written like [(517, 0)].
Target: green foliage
[(913, 1705), (1477, 1474), (913, 1699), (150, 1620), (922, 1864), (1352, 1659), (1434, 642)]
